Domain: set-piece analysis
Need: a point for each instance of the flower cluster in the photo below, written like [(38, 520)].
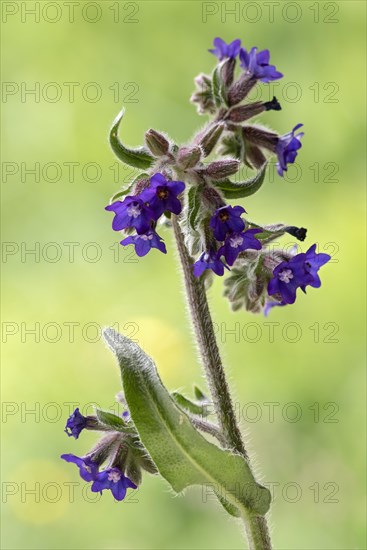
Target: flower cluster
[(216, 235), (256, 68), (118, 449), (299, 272), (141, 212), (228, 228)]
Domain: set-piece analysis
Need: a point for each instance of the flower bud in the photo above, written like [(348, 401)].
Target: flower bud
[(254, 156), (244, 112), (240, 89), (140, 185), (221, 169), (260, 137), (227, 71), (156, 143), (245, 286), (209, 139), (203, 96), (188, 157)]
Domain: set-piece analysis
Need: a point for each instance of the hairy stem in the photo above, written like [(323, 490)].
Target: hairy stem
[(256, 526)]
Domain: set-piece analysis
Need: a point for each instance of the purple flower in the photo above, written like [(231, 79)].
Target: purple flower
[(161, 195), (227, 219), (287, 277), (312, 263), (87, 468), (223, 50), (299, 272), (237, 242), (131, 212), (257, 65), (115, 480), (287, 148), (209, 260), (75, 424), (145, 242)]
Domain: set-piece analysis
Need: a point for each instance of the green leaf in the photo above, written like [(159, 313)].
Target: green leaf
[(182, 455), (138, 158), (233, 190), (109, 419), (200, 396), (217, 86), (194, 205), (128, 188), (190, 406)]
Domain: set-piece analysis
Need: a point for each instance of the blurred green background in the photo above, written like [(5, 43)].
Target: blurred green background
[(144, 55)]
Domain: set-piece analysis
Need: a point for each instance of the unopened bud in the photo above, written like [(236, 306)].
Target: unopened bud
[(227, 71), (240, 89), (203, 96), (254, 156), (188, 157), (259, 136), (157, 143), (140, 185), (221, 169), (244, 112), (209, 139)]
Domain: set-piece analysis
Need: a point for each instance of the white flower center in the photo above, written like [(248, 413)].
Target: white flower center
[(285, 275), (88, 468), (134, 210), (235, 242), (146, 237), (114, 476)]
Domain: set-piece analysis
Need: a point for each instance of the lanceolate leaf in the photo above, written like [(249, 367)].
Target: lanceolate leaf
[(139, 158), (194, 205), (182, 455), (234, 190)]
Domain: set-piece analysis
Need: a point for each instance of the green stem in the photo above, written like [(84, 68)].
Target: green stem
[(256, 526)]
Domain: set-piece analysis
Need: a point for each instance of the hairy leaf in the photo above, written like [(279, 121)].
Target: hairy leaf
[(234, 190), (138, 158), (182, 455)]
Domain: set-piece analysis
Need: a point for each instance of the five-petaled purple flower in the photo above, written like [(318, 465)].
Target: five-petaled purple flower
[(131, 212), (145, 242), (237, 242), (209, 260), (75, 424), (161, 195), (257, 65), (287, 148), (114, 480), (227, 219), (223, 50), (312, 263), (299, 272), (87, 468)]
